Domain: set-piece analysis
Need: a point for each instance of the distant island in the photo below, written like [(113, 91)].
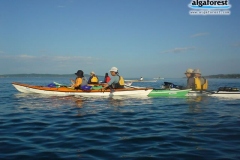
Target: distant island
[(87, 75), (224, 76)]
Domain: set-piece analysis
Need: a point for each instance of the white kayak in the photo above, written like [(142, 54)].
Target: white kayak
[(220, 94), (226, 94), (65, 91), (197, 93)]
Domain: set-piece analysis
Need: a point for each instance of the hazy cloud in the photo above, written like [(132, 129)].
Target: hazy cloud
[(54, 58), (199, 34), (43, 63), (236, 44), (24, 56), (179, 50)]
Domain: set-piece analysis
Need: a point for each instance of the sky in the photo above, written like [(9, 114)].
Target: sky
[(142, 38)]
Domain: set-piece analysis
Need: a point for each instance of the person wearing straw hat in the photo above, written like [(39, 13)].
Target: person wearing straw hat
[(200, 83), (93, 79), (79, 81), (190, 80)]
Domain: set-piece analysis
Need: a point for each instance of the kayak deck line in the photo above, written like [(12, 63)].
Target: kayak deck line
[(26, 88), (65, 89), (140, 80), (128, 91)]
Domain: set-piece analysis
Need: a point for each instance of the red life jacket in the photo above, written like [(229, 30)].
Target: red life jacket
[(107, 79)]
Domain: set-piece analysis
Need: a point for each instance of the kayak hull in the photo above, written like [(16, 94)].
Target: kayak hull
[(197, 93), (64, 91), (177, 93), (168, 93), (225, 94)]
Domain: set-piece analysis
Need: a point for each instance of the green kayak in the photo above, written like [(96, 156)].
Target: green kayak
[(169, 92)]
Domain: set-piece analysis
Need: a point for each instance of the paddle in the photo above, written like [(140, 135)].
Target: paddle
[(60, 85), (131, 86), (135, 87), (104, 89)]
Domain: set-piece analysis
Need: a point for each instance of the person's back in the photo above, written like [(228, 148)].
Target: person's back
[(106, 78), (84, 81), (120, 83), (200, 83), (93, 79), (113, 82)]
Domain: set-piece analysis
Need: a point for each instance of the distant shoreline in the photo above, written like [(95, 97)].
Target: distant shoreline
[(38, 75), (222, 76)]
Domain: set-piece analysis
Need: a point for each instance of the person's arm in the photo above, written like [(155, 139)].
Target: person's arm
[(77, 83), (190, 83), (109, 83)]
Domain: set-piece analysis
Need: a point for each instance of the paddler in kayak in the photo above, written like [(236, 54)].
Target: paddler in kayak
[(93, 79), (116, 81), (190, 78), (106, 78), (79, 81), (200, 83)]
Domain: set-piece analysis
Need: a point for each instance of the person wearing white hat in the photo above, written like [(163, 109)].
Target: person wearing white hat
[(190, 80), (116, 81), (93, 79)]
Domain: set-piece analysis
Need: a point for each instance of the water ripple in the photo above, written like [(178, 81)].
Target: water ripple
[(50, 127)]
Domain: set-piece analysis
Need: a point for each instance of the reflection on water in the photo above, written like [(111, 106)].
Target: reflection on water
[(86, 127), (53, 127), (116, 102), (195, 99), (93, 105), (82, 105), (197, 104), (79, 103)]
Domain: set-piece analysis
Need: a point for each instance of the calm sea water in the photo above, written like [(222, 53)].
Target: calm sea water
[(34, 126)]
